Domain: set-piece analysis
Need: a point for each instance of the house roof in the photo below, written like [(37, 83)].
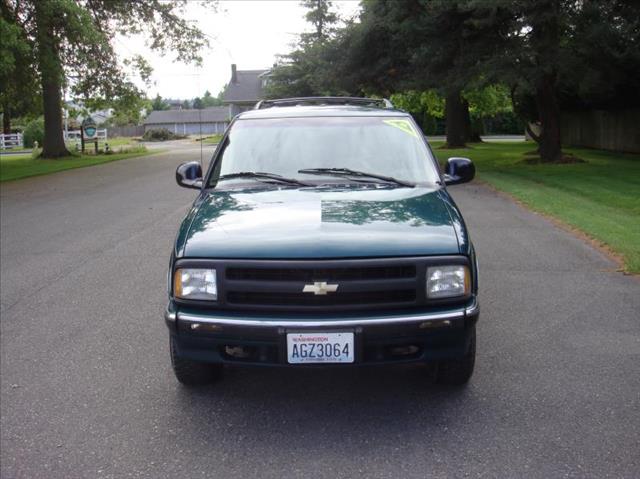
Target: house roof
[(246, 88), (208, 115)]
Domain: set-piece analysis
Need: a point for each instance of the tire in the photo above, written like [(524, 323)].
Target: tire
[(193, 373), (457, 372)]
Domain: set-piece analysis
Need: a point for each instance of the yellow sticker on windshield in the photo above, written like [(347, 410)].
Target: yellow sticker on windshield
[(404, 125)]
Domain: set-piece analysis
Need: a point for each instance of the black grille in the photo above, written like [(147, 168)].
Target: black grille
[(359, 284), (321, 274), (332, 299)]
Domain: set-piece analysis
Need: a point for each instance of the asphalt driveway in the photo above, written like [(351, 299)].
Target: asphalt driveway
[(87, 390)]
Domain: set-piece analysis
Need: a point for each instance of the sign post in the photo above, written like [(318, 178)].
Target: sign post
[(89, 132)]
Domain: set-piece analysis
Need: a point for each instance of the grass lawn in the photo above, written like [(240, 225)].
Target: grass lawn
[(121, 142), (115, 143), (600, 197), (13, 167), (212, 140)]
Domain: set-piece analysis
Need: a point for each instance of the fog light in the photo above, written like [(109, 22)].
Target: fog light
[(404, 350), (237, 352), (438, 323)]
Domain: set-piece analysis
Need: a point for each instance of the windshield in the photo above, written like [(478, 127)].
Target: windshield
[(388, 146)]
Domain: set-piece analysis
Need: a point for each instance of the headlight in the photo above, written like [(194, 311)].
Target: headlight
[(448, 282), (191, 283)]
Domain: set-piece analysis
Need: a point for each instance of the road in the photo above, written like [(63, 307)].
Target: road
[(87, 389)]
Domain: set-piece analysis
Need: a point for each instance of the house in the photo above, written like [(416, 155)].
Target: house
[(244, 90), (189, 122), (174, 104)]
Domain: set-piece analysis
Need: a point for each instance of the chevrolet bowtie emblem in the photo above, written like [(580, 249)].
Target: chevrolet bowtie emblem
[(320, 288)]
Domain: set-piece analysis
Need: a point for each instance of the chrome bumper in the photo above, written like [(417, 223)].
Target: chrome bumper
[(441, 318)]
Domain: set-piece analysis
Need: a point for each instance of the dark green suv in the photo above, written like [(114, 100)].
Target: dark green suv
[(323, 234)]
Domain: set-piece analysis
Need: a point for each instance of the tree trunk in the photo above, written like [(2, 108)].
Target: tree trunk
[(545, 39), (53, 145), (456, 124), (470, 135), (6, 119), (549, 112), (51, 70)]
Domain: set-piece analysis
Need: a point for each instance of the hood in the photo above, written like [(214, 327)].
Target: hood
[(319, 223)]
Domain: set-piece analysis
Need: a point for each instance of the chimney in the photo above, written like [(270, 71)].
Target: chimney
[(234, 75)]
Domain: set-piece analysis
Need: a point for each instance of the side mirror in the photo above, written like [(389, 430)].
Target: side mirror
[(189, 175), (459, 170)]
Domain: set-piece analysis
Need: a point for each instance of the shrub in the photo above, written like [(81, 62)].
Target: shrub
[(34, 131), (161, 134)]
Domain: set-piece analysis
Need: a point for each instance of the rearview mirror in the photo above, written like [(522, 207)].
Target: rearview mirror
[(459, 170), (189, 175)]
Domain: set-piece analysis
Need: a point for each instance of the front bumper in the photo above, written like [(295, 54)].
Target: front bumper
[(233, 337)]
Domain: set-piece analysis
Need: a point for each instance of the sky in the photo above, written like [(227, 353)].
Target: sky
[(249, 33)]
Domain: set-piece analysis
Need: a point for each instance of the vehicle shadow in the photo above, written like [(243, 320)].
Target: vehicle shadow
[(305, 407)]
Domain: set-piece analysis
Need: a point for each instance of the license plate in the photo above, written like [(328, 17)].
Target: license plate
[(306, 348)]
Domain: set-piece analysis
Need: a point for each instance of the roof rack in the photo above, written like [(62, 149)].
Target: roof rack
[(324, 100)]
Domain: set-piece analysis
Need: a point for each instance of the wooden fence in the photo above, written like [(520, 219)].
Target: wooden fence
[(607, 130), (128, 131)]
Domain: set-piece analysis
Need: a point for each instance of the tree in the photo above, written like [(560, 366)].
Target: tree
[(321, 16), (601, 67), (198, 104), (533, 37), (127, 110), (208, 100), (422, 45), (307, 70), (18, 88), (159, 104), (71, 46), (424, 106), (186, 105)]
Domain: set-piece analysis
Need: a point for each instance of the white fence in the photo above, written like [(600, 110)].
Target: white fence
[(12, 140)]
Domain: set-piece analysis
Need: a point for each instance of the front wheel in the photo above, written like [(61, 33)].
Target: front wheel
[(193, 373), (457, 372)]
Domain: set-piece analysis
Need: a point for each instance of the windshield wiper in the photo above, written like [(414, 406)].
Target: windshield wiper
[(261, 175), (354, 173)]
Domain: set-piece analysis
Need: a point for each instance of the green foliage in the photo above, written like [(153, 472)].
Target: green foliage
[(488, 101), (320, 15), (428, 101), (159, 104), (600, 60), (506, 123), (208, 100), (19, 88), (161, 134), (490, 108), (425, 107), (308, 69), (198, 104), (127, 110), (34, 131)]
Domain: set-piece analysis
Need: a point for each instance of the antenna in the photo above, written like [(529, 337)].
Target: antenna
[(200, 120), (200, 123)]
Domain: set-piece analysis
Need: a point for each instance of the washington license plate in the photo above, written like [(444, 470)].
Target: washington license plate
[(319, 348)]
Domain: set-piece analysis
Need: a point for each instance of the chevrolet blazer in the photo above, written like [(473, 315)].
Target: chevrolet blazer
[(323, 234)]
